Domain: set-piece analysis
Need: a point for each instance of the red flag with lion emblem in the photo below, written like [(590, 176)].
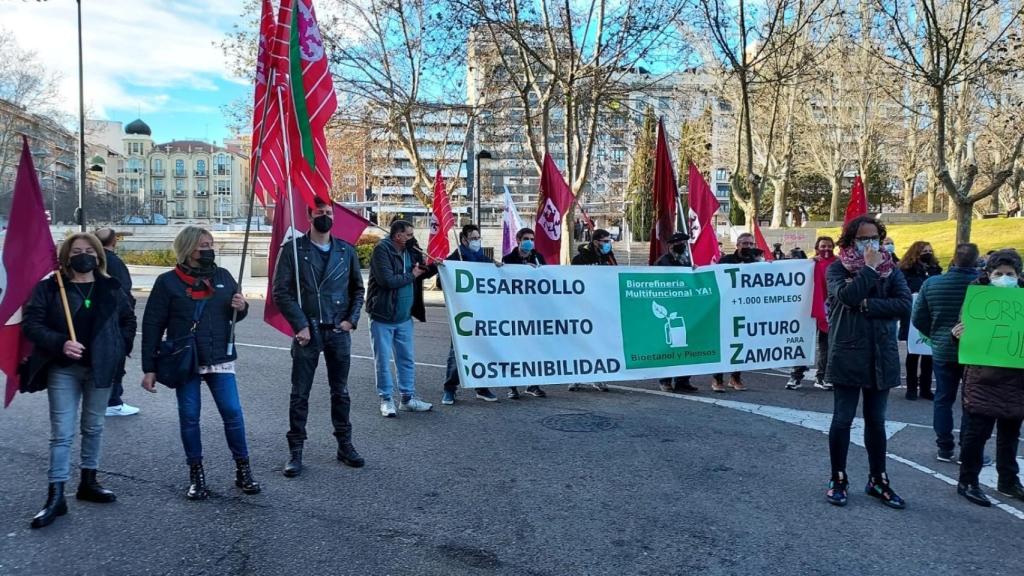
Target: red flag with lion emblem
[(555, 200)]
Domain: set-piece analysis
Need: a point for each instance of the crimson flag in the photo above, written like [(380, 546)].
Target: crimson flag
[(28, 256), (268, 177), (555, 200), (762, 244), (858, 205), (665, 194), (299, 51), (441, 221), (703, 205)]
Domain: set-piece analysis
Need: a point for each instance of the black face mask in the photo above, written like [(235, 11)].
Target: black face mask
[(207, 258), (750, 253), (679, 248), (83, 263), (928, 258), (323, 223)]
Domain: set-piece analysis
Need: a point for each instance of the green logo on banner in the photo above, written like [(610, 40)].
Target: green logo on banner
[(669, 319)]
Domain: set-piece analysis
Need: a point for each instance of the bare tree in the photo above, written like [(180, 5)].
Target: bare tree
[(748, 37), (952, 47), (26, 88)]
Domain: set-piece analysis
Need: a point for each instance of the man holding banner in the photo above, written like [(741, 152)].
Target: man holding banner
[(747, 252), (524, 253), (676, 256)]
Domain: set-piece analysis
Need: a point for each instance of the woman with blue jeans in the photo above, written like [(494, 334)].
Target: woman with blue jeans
[(198, 288), (76, 369), (867, 295)]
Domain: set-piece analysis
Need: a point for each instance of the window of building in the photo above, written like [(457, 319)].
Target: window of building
[(618, 154), (158, 185), (135, 165), (223, 187), (221, 165), (721, 175), (158, 166), (202, 188), (179, 186), (179, 167), (200, 167), (202, 211)]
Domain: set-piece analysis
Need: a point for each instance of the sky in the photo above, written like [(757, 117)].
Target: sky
[(157, 59)]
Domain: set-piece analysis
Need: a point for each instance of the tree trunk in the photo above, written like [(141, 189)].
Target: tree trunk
[(963, 221), (933, 190), (953, 209), (993, 205), (833, 210), (908, 194), (779, 208)]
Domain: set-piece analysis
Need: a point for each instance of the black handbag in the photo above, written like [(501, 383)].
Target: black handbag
[(176, 360)]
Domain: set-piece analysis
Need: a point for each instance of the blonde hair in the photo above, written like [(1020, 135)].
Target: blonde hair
[(187, 241), (64, 254)]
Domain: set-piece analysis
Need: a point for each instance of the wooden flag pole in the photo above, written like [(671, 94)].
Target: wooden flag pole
[(67, 307)]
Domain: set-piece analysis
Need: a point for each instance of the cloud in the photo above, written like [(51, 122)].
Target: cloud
[(132, 48)]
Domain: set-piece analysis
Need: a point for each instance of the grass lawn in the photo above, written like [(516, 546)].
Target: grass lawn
[(987, 234)]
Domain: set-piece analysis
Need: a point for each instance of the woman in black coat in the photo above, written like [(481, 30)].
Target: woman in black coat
[(917, 265), (76, 370), (867, 295), (198, 287)]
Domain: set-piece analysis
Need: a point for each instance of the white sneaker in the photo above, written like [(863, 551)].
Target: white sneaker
[(122, 410), (793, 384), (387, 408), (415, 405)]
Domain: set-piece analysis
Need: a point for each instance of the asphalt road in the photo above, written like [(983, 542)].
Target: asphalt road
[(631, 481)]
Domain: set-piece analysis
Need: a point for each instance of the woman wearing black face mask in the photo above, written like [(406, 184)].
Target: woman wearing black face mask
[(199, 297), (917, 265), (76, 369)]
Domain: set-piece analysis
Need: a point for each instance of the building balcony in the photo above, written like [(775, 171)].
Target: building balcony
[(158, 193), (156, 173), (202, 193), (203, 174), (179, 193), (222, 172), (181, 174)]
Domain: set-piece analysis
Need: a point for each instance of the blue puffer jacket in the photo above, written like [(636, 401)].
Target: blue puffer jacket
[(938, 309)]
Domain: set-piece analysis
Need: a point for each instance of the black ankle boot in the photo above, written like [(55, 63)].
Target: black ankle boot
[(55, 506), (90, 490), (243, 477), (294, 466), (197, 482), (348, 456)]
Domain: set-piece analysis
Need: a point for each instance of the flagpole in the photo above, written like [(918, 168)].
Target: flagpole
[(291, 200), (258, 151)]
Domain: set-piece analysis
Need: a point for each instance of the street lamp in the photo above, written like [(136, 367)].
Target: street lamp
[(481, 155)]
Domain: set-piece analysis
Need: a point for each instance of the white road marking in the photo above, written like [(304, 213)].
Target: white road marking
[(353, 355), (821, 421)]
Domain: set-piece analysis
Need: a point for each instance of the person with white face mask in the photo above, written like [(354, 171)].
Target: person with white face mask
[(993, 397), (470, 249)]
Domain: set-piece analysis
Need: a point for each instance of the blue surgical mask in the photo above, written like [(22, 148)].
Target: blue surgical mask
[(862, 245), (474, 245), (890, 248), (1004, 281), (606, 247), (526, 245)]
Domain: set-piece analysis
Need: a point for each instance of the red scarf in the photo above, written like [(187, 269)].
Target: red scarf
[(198, 288), (818, 311), (854, 261)]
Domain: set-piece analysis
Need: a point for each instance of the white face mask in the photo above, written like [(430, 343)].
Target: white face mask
[(1004, 281)]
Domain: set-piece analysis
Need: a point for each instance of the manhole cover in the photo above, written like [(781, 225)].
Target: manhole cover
[(586, 422)]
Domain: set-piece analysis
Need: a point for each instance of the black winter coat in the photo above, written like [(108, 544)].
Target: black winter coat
[(170, 309), (330, 295), (589, 256), (514, 257), (670, 259), (45, 326), (117, 270), (993, 391), (863, 349), (387, 275)]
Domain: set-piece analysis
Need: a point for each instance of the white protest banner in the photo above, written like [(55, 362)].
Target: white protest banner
[(520, 325), (916, 343)]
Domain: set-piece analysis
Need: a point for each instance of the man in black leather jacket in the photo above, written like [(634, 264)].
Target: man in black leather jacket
[(323, 311)]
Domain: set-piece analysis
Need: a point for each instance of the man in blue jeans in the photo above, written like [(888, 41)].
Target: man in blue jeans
[(394, 298), (936, 312)]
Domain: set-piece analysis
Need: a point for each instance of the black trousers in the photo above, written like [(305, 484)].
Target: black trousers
[(337, 350), (820, 364), (844, 410), (919, 373), (977, 429), (675, 382), (117, 387)]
